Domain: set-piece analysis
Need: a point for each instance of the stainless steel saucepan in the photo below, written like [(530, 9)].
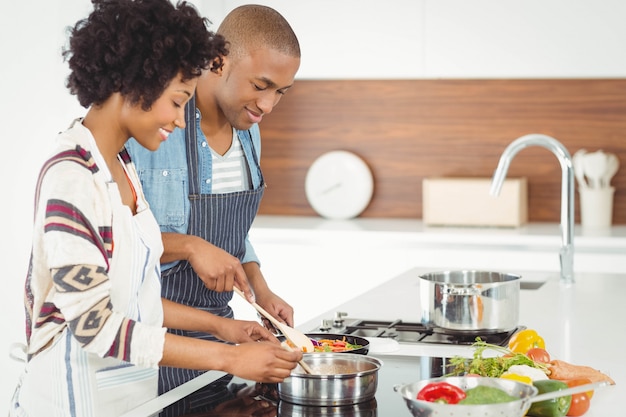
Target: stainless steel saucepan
[(470, 301), (337, 379)]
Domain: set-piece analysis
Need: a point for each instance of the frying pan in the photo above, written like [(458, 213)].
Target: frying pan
[(355, 340)]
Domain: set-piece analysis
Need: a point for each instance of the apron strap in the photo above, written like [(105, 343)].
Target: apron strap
[(192, 146), (254, 157)]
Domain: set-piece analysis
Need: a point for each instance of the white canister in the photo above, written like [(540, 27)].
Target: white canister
[(596, 207)]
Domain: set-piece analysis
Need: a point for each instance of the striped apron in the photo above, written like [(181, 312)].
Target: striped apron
[(223, 220)]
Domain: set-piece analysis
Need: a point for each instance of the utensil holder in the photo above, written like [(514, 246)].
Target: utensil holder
[(596, 207)]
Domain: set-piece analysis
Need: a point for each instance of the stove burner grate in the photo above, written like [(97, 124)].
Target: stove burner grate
[(419, 333)]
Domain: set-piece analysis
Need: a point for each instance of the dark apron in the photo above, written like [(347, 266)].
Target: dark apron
[(224, 220)]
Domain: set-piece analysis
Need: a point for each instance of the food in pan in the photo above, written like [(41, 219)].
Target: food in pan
[(334, 345), (332, 342)]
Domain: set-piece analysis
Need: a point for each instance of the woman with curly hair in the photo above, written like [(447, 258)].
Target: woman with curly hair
[(95, 321)]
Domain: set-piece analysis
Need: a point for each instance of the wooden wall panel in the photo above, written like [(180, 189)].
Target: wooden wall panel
[(407, 130)]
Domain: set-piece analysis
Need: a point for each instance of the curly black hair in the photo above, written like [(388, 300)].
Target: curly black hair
[(136, 47)]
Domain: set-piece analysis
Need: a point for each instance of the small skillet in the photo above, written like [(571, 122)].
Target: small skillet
[(354, 340)]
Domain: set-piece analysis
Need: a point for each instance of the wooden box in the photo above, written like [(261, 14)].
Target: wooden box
[(467, 202)]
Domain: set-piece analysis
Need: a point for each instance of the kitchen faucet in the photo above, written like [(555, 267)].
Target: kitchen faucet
[(567, 192)]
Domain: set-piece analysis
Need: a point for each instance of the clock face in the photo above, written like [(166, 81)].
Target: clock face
[(339, 185)]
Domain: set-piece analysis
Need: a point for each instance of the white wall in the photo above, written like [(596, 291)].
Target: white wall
[(456, 38), (34, 106), (346, 39)]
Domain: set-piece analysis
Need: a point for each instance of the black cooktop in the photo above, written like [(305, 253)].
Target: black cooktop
[(395, 371)]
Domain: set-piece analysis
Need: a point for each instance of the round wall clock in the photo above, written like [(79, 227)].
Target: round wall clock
[(339, 185)]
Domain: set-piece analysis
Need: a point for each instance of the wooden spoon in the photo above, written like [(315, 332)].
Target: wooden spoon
[(297, 338), (302, 363)]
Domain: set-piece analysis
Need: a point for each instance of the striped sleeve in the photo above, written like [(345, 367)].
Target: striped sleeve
[(62, 216)]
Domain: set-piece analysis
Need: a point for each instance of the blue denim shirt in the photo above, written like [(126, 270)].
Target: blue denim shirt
[(165, 180)]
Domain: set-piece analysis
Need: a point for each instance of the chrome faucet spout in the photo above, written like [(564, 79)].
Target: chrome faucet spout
[(567, 191)]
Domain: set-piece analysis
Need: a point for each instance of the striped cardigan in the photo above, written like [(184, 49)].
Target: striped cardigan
[(67, 282)]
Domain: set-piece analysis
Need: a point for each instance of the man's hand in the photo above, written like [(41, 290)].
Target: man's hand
[(277, 307), (266, 298), (218, 269)]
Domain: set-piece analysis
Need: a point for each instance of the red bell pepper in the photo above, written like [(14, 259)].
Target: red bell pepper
[(441, 392)]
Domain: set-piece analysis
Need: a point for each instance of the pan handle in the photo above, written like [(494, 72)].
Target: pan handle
[(569, 391)]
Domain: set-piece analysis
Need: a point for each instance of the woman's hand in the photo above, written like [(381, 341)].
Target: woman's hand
[(261, 362), (183, 317), (243, 331), (254, 361)]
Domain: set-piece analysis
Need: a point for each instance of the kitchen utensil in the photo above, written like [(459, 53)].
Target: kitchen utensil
[(596, 209), (612, 166), (302, 364), (579, 169), (467, 301), (594, 164), (294, 336), (526, 393), (354, 340), (338, 379)]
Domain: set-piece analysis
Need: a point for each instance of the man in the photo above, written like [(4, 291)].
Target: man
[(205, 184)]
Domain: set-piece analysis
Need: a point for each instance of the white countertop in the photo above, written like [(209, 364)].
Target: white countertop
[(581, 324), (414, 231)]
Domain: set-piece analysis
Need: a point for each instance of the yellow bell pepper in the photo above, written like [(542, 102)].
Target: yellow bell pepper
[(519, 378), (524, 340)]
